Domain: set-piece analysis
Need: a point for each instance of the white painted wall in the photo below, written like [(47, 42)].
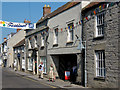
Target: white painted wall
[(11, 43)]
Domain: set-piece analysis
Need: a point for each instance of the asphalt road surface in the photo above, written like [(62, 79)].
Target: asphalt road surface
[(13, 80)]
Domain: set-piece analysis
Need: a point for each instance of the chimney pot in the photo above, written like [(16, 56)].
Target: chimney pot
[(5, 39), (46, 10)]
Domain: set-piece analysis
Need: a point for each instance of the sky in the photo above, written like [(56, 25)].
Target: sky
[(19, 11)]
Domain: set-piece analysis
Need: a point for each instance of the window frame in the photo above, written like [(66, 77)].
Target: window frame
[(70, 32), (35, 41), (100, 68), (55, 36), (42, 40), (99, 24)]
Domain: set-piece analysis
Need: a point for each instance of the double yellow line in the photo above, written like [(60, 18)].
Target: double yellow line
[(33, 80), (36, 81)]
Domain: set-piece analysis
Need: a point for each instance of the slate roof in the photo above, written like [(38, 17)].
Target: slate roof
[(22, 42)]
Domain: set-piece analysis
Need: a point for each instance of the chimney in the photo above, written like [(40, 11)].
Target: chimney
[(5, 39), (26, 21), (46, 10), (18, 30)]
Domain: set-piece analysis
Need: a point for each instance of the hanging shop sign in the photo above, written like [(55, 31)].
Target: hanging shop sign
[(17, 25)]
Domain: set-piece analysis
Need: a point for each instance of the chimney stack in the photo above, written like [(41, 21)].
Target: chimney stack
[(26, 21), (46, 10), (5, 39), (18, 30)]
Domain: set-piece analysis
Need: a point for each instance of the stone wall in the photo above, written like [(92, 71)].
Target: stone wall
[(109, 43)]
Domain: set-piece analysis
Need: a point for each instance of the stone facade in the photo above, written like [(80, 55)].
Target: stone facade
[(11, 43), (33, 42), (108, 42), (19, 56)]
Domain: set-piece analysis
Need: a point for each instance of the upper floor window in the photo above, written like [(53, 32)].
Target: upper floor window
[(42, 40), (100, 63), (70, 32), (29, 43), (15, 50), (22, 49), (55, 37), (18, 50), (35, 41), (100, 24)]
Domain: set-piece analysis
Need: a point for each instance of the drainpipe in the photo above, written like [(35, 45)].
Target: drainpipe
[(85, 67), (85, 56)]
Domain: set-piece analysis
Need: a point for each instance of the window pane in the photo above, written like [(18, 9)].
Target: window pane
[(100, 63)]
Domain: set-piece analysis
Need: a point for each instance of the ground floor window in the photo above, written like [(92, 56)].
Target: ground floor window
[(100, 63), (43, 59), (30, 64), (23, 63)]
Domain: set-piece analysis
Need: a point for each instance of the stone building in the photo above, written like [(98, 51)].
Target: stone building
[(16, 38), (36, 44), (41, 46), (101, 32), (19, 55), (4, 50)]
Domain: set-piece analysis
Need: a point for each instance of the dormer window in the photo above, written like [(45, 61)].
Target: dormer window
[(100, 24), (70, 32), (42, 40), (55, 36), (35, 41), (29, 43)]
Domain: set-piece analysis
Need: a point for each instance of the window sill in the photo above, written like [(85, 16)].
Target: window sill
[(69, 42), (42, 46), (99, 78), (54, 45), (98, 37)]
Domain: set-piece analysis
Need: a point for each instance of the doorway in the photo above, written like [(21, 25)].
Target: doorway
[(66, 62)]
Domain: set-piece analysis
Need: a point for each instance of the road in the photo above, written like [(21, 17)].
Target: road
[(14, 80)]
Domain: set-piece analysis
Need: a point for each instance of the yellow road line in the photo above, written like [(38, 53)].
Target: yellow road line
[(37, 81), (31, 79)]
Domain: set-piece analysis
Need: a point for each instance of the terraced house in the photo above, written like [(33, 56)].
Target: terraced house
[(64, 31), (19, 56), (101, 31), (36, 44), (55, 41)]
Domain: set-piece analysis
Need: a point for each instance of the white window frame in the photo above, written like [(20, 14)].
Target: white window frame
[(100, 63), (30, 64), (29, 44), (42, 40), (18, 50), (23, 63), (55, 36), (15, 50), (35, 41), (44, 60), (70, 33), (22, 49), (99, 32)]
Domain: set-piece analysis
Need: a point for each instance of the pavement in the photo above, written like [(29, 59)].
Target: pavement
[(0, 77), (58, 82)]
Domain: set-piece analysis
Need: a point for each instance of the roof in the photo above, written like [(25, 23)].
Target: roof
[(22, 42), (91, 5), (59, 10)]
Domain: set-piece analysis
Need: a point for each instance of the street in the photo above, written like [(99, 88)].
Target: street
[(13, 80)]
